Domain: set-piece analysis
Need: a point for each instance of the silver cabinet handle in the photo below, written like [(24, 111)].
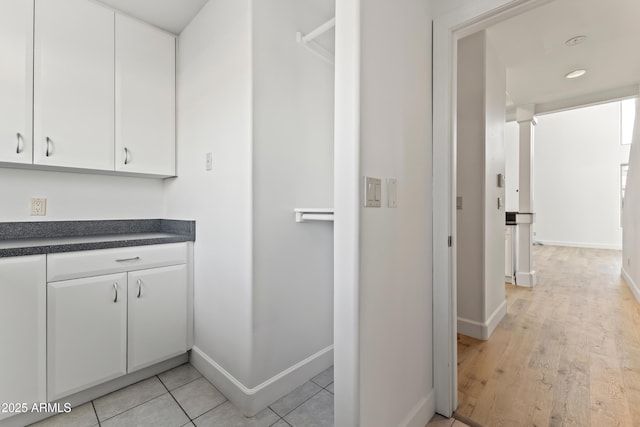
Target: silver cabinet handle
[(49, 151), (126, 156), (139, 282), (115, 288), (20, 147), (128, 259)]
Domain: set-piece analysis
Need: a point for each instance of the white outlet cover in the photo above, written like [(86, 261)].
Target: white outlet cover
[(38, 207)]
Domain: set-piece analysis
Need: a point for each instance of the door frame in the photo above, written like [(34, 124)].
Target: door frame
[(447, 30)]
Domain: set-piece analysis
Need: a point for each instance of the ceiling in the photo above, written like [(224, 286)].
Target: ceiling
[(170, 15), (532, 46)]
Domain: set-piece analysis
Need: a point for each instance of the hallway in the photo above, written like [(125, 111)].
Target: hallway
[(566, 353)]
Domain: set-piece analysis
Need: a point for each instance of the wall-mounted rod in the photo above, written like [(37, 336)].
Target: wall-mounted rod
[(308, 41), (320, 30), (313, 214)]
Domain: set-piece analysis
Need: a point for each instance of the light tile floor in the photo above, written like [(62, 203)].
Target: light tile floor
[(183, 397)]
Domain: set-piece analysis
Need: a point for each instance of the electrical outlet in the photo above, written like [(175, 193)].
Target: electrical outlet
[(38, 207)]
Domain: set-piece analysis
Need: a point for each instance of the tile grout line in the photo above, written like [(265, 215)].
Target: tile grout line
[(182, 385), (96, 413), (133, 407), (176, 400), (302, 403)]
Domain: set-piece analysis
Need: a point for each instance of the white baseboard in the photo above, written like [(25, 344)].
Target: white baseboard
[(424, 410), (580, 244), (482, 331), (526, 279), (635, 290), (250, 401)]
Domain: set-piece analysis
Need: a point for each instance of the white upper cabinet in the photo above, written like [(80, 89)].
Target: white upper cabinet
[(74, 84), (145, 98), (16, 65)]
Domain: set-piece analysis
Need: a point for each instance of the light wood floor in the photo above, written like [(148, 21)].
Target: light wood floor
[(566, 354)]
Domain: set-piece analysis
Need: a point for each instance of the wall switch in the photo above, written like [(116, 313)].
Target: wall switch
[(38, 207), (392, 192), (459, 203), (372, 192), (209, 159)]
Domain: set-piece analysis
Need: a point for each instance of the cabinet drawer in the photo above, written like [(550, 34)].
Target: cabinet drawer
[(73, 265)]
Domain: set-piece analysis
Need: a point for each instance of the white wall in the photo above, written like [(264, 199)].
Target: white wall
[(251, 95), (577, 177), (495, 100), (512, 166), (214, 115), (395, 286), (480, 158), (76, 196), (631, 215), (470, 177), (292, 167)]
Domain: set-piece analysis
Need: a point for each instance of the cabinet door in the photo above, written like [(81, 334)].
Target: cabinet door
[(16, 57), (145, 98), (23, 332), (86, 333), (157, 315), (73, 84)]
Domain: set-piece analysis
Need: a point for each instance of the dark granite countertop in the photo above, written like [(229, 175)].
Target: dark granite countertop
[(31, 238)]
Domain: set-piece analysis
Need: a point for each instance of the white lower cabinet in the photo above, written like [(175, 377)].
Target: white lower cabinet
[(107, 325), (23, 331), (87, 333), (157, 315)]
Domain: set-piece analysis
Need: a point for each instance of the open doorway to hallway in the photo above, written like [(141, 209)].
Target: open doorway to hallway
[(547, 360)]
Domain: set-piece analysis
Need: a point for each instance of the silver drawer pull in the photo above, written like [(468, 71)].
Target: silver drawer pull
[(115, 288), (128, 259), (139, 282), (126, 156), (49, 150), (20, 147)]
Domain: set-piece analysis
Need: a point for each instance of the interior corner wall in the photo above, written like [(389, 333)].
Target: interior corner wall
[(631, 215), (75, 196), (577, 177), (214, 116), (395, 285), (293, 109), (480, 158)]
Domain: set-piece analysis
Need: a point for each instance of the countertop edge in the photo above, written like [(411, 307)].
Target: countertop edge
[(177, 230), (75, 247)]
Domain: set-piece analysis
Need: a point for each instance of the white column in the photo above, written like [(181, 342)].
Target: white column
[(525, 274)]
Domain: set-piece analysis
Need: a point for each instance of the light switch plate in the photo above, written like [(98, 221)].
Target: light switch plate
[(209, 161), (372, 192), (392, 192)]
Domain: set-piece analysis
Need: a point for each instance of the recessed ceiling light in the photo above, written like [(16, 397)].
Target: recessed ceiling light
[(575, 73), (575, 40)]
